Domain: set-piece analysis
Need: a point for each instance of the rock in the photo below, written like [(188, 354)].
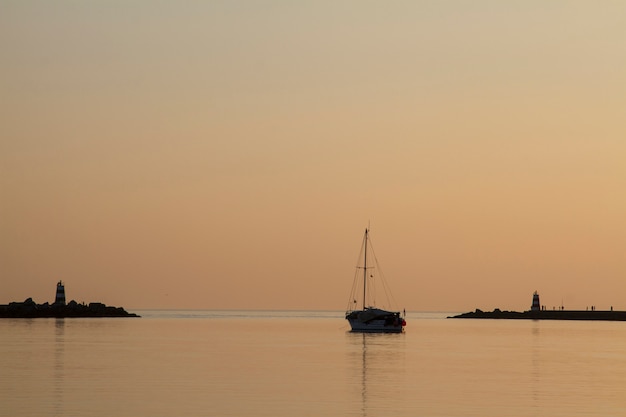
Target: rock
[(30, 309)]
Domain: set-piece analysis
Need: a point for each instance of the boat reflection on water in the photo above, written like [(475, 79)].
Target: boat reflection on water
[(59, 367), (376, 369)]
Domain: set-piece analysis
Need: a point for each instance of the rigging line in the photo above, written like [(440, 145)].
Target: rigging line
[(386, 288), (355, 281)]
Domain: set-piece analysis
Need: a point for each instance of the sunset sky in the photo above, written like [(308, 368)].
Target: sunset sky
[(229, 154)]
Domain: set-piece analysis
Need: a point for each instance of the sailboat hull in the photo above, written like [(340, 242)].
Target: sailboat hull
[(374, 320), (375, 326)]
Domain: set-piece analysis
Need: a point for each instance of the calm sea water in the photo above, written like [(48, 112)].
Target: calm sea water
[(245, 363)]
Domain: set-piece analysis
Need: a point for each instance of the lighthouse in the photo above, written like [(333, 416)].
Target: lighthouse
[(536, 306), (60, 297)]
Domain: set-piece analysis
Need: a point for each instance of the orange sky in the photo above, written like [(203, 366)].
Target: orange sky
[(230, 154)]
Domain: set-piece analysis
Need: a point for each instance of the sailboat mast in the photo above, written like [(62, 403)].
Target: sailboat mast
[(365, 269)]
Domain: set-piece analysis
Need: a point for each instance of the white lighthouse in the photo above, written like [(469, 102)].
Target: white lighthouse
[(536, 306), (60, 297)]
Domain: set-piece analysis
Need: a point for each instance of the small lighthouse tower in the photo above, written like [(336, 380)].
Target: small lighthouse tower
[(536, 306), (60, 297)]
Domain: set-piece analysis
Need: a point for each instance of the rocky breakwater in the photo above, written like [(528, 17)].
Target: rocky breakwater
[(30, 309), (598, 315)]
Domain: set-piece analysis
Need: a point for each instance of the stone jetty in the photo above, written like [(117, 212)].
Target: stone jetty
[(60, 309)]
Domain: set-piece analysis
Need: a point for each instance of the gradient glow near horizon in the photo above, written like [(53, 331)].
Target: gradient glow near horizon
[(229, 154)]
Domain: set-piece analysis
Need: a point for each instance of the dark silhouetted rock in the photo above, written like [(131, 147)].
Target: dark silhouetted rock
[(30, 309), (545, 315)]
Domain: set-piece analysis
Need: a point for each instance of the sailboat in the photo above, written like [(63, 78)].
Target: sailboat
[(370, 318)]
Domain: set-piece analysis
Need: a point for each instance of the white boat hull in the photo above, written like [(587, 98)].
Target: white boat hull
[(375, 320), (375, 326)]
